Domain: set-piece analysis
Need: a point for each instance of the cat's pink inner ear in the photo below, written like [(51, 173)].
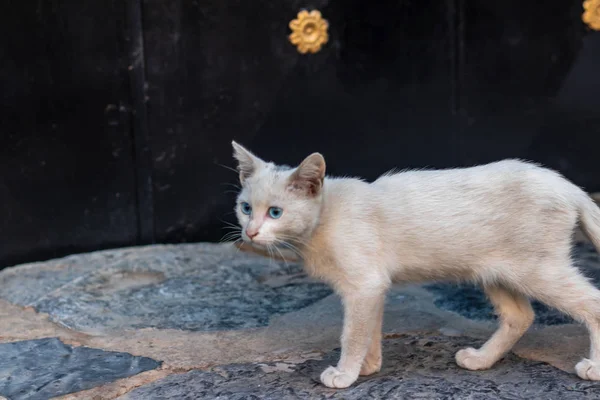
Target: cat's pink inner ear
[(309, 175), (248, 163)]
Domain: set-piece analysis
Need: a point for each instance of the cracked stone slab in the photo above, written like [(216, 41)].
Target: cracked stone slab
[(470, 301), (203, 287), (419, 366), (44, 368)]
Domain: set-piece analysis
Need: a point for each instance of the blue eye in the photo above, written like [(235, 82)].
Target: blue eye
[(275, 212), (246, 208)]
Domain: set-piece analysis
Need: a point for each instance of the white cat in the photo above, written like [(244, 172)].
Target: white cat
[(506, 226)]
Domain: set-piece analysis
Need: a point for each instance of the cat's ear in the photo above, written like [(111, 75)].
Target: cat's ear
[(309, 175), (248, 163)]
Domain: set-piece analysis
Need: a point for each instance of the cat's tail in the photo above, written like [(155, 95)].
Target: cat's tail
[(589, 216)]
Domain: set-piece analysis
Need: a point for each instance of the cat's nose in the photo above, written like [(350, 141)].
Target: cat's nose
[(251, 233)]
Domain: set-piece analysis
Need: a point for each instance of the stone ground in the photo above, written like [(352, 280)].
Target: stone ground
[(207, 321)]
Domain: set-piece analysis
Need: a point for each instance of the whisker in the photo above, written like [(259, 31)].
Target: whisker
[(302, 242), (228, 223), (228, 239), (293, 249), (228, 167), (233, 232), (231, 228), (271, 257), (282, 257), (237, 247), (235, 185), (289, 246), (230, 235)]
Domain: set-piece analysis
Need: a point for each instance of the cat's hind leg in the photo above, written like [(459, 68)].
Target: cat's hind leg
[(515, 317), (573, 294)]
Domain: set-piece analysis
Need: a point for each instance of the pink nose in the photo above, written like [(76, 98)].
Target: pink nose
[(251, 233)]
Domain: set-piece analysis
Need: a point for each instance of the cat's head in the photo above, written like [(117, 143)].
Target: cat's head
[(277, 203)]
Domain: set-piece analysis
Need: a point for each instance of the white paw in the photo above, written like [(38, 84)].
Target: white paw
[(588, 370), (334, 378), (472, 359)]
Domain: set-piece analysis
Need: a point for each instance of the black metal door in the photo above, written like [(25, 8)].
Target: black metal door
[(117, 117), (67, 172)]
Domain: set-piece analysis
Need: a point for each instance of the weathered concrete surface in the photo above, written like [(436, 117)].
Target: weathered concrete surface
[(206, 307), (44, 368)]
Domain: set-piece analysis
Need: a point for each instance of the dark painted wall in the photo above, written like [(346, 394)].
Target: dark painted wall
[(115, 117)]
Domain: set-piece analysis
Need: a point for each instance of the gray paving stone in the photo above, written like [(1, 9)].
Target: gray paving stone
[(415, 367), (470, 301), (207, 287), (200, 287), (45, 368)]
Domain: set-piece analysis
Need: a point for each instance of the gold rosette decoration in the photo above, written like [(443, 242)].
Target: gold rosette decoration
[(591, 14), (309, 31)]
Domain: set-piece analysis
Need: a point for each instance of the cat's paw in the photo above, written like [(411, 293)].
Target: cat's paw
[(370, 366), (334, 378), (588, 370), (472, 359)]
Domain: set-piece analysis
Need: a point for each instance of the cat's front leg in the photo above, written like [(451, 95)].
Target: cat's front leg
[(372, 362), (361, 314)]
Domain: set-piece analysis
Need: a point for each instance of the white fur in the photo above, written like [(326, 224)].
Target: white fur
[(506, 225)]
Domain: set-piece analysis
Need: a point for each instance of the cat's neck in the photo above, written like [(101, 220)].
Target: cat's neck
[(316, 244)]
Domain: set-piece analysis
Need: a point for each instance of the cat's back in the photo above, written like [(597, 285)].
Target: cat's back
[(477, 209), (512, 186), (506, 174), (507, 189)]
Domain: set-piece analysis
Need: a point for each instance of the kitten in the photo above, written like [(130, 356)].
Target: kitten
[(506, 226)]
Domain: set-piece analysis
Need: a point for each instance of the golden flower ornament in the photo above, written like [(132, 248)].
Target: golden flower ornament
[(591, 14), (309, 31)]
